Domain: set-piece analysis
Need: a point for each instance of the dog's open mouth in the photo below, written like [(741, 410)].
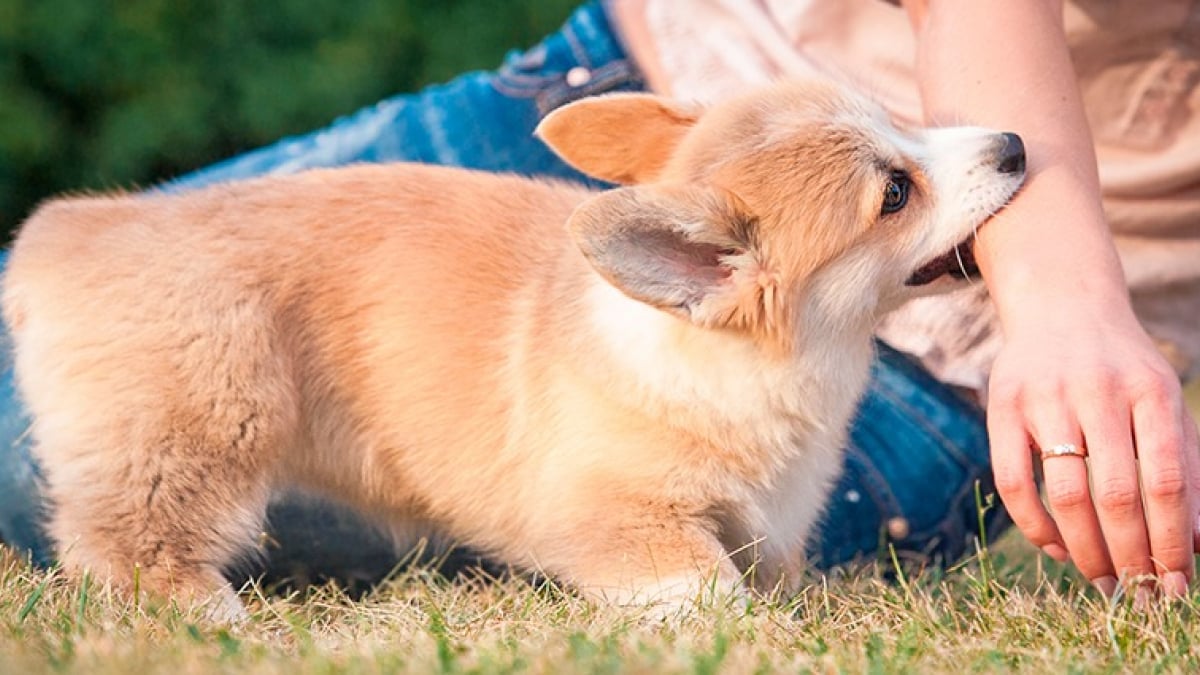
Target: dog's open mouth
[(958, 262)]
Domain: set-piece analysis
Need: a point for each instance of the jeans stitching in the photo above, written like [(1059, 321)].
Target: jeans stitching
[(973, 470), (941, 439), (605, 78), (909, 368), (576, 46), (533, 82), (519, 91), (549, 87), (875, 483), (953, 516)]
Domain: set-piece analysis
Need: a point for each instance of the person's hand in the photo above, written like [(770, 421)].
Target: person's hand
[(1077, 368), (1074, 372)]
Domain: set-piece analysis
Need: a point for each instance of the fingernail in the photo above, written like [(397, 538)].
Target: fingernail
[(1142, 596), (1107, 585), (1174, 585), (1057, 552)]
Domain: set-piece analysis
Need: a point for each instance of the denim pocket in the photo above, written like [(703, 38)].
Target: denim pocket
[(583, 59), (613, 76), (524, 74), (528, 76)]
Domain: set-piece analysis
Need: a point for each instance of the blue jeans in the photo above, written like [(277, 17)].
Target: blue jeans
[(917, 449)]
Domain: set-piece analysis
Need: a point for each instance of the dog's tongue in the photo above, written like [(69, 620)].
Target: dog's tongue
[(958, 262)]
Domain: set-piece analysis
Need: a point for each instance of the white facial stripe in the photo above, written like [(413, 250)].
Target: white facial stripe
[(965, 186), (962, 166)]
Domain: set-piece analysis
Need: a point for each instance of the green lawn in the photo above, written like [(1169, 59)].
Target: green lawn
[(1009, 609)]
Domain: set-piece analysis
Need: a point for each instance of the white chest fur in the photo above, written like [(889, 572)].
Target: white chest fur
[(786, 415)]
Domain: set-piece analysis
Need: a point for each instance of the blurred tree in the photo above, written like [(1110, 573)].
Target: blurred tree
[(102, 94)]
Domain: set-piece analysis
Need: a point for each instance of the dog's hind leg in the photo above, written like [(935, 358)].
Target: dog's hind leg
[(159, 452), (164, 508)]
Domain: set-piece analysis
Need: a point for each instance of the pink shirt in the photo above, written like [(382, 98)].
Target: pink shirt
[(1138, 64)]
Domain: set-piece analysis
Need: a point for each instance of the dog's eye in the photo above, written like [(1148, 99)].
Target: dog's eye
[(895, 193)]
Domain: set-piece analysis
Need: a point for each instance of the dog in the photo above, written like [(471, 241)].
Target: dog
[(642, 392)]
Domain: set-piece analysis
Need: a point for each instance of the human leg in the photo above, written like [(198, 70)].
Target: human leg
[(21, 505)]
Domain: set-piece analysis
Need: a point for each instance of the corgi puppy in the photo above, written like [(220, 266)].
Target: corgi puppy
[(642, 392)]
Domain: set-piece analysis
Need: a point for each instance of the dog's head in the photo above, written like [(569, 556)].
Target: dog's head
[(800, 202)]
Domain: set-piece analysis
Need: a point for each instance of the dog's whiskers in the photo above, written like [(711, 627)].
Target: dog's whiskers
[(962, 266), (974, 242)]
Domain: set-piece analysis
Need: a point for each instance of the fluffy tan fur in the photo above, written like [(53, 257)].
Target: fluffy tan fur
[(633, 391)]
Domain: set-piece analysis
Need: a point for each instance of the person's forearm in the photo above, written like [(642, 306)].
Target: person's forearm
[(1004, 64)]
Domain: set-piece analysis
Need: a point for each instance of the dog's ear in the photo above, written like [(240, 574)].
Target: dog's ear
[(688, 251), (620, 138)]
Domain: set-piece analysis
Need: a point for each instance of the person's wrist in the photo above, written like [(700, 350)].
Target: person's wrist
[(1045, 258), (1037, 304)]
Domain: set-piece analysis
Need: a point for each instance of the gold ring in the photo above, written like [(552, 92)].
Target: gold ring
[(1063, 450)]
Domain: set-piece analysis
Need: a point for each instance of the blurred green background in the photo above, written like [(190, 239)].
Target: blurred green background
[(101, 94)]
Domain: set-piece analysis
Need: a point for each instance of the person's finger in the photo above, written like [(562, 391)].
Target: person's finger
[(1191, 453), (1012, 469), (1116, 491), (1158, 422), (1068, 493)]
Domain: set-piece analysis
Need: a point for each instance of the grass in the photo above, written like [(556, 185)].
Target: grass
[(1006, 609)]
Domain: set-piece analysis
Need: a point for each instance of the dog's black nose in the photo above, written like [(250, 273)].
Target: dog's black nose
[(1010, 156)]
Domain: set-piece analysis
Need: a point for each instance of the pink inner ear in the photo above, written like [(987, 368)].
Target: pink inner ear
[(659, 265), (688, 259)]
